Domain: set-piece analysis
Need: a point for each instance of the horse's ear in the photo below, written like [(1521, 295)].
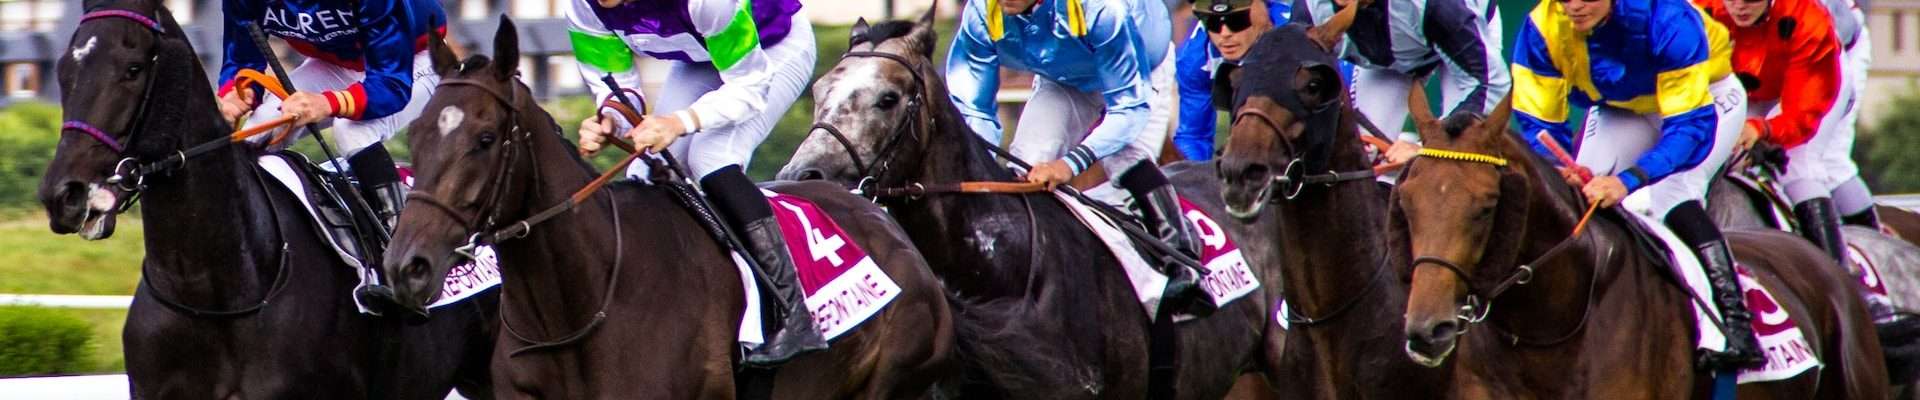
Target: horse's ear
[(506, 49), (1223, 84), (441, 52), (922, 37), (859, 33), (1424, 122), (1496, 123)]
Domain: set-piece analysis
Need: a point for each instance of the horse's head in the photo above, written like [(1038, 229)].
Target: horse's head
[(121, 51), (873, 108), (1287, 104), (472, 159), (1463, 210)]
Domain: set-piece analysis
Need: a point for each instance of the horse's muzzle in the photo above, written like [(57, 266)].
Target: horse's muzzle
[(1430, 344), (83, 208)]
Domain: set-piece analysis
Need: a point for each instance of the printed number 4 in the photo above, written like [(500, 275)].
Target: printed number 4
[(818, 244)]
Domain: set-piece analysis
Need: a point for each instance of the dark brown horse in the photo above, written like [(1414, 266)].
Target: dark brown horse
[(240, 297), (626, 296), (1044, 310), (1292, 120), (1599, 318)]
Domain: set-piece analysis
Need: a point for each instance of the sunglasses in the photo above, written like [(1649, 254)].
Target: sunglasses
[(1234, 21)]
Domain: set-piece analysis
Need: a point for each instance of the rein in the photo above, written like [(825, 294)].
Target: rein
[(1480, 303)]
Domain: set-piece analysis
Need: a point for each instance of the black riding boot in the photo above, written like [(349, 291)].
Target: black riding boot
[(1869, 218), (1820, 224), (379, 183), (744, 207), (1159, 209), (1691, 223)]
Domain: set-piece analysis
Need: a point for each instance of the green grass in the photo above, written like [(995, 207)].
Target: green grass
[(38, 262), (104, 350)]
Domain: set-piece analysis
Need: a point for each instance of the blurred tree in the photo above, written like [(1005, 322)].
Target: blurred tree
[(1886, 148), (28, 133)]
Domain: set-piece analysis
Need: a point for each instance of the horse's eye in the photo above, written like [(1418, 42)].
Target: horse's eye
[(888, 100), (133, 70), (486, 140)]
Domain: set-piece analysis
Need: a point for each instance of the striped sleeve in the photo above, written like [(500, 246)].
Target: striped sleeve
[(600, 52), (1540, 91), (1682, 52), (733, 41)]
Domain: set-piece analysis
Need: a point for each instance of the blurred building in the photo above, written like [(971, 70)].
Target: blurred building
[(1896, 55)]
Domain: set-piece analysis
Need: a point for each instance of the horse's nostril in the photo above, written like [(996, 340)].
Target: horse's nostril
[(1443, 331), (811, 174)]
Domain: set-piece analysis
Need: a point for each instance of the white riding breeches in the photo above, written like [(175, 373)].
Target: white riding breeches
[(349, 136), (1614, 139), (1058, 116), (1817, 167), (711, 149)]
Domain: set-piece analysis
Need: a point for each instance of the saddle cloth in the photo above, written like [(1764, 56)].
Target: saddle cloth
[(1787, 350), (844, 286), (1228, 275), (463, 281)]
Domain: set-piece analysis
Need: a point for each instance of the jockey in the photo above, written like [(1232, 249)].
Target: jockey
[(1789, 58), (1103, 81), (1227, 29), (1852, 198), (1663, 119), (1391, 42), (736, 67), (367, 73)]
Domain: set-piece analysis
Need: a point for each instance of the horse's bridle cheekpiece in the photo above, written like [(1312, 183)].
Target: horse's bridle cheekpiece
[(883, 158), (129, 175)]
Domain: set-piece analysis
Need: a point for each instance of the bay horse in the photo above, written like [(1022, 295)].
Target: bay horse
[(1589, 313), (239, 295), (1293, 123), (1043, 308), (625, 296)]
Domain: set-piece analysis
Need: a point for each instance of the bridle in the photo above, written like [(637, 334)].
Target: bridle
[(1479, 303), (484, 230), (869, 172), (1294, 179), (129, 174)]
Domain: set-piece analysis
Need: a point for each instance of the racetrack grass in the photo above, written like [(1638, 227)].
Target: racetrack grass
[(35, 261), (105, 351)]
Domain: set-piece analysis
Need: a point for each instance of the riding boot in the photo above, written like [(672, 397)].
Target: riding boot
[(746, 209), (1820, 224), (1690, 222), (1868, 218), (379, 185), (1159, 209)]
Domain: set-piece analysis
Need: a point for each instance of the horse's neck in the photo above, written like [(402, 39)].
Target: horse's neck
[(956, 156), (1331, 237), (569, 256), (209, 224), (1556, 300)]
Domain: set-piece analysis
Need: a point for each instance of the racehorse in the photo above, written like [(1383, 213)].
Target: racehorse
[(240, 296), (1290, 129), (1044, 310), (1588, 313), (624, 296)]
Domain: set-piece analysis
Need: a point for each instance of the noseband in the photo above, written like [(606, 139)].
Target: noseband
[(883, 159)]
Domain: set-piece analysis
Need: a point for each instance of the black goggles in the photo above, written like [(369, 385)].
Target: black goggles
[(1234, 21)]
